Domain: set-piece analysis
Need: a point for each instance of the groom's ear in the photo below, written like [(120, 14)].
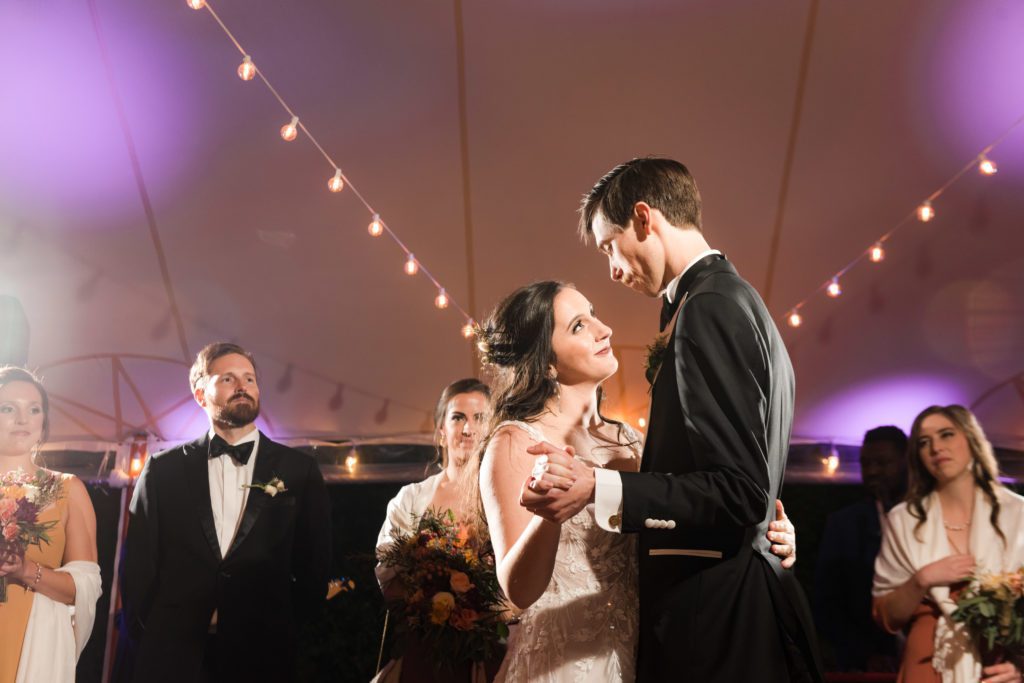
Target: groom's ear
[(642, 214)]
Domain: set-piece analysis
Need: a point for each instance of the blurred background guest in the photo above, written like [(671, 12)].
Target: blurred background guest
[(846, 559)]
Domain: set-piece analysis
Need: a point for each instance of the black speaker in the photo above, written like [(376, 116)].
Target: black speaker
[(13, 332)]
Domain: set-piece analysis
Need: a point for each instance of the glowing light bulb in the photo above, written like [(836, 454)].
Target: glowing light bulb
[(877, 253), (441, 300), (926, 211), (411, 267), (197, 4), (467, 330), (351, 462), (834, 289), (290, 130), (337, 183), (136, 466), (986, 166), (795, 320), (376, 228), (641, 423), (246, 70), (831, 464)]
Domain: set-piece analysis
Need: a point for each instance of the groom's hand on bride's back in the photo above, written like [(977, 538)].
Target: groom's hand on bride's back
[(559, 486), (782, 535)]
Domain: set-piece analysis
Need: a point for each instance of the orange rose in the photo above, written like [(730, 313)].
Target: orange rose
[(459, 581), (8, 506), (442, 605)]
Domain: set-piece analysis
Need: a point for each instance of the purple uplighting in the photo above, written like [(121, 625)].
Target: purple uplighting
[(974, 68), (890, 401), (64, 148)]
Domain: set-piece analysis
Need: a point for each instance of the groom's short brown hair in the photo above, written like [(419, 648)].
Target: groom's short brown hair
[(664, 184)]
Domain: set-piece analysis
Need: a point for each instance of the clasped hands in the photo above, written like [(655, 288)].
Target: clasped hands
[(560, 485)]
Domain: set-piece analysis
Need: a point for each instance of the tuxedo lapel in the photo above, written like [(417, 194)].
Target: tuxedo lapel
[(268, 454), (197, 472), (685, 284)]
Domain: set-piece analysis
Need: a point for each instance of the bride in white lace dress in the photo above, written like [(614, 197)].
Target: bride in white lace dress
[(575, 583)]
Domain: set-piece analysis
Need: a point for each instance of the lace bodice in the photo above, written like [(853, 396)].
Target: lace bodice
[(584, 626)]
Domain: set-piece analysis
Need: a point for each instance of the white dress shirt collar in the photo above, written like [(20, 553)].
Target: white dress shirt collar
[(672, 285), (254, 435)]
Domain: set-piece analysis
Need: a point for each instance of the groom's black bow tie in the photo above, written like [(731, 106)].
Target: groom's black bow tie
[(682, 287), (241, 453)]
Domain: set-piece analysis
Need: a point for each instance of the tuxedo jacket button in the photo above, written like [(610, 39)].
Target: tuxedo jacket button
[(671, 524), (649, 523)]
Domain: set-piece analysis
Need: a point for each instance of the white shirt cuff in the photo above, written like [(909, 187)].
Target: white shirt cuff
[(608, 500)]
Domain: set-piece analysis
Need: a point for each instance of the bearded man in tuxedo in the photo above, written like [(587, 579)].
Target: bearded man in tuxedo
[(228, 545)]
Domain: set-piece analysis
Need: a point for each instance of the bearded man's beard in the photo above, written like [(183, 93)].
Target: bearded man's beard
[(237, 413)]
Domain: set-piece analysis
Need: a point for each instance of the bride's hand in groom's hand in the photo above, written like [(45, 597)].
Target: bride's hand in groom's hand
[(553, 468), (782, 535), (559, 486)]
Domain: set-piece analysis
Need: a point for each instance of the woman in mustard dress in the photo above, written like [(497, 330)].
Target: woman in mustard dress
[(41, 635)]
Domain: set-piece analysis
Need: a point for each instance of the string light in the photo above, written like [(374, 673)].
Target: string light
[(335, 184), (877, 253), (467, 330), (986, 166), (290, 130), (642, 422), (246, 70), (926, 211), (441, 300), (376, 229)]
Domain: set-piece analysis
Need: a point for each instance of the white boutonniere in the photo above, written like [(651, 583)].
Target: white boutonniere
[(271, 488)]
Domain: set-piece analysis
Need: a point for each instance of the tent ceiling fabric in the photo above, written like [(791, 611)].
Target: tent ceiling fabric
[(897, 98)]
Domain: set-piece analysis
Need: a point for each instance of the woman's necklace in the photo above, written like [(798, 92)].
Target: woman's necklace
[(956, 527)]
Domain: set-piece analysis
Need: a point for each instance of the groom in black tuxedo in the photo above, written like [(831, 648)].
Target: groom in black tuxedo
[(228, 545), (715, 603)]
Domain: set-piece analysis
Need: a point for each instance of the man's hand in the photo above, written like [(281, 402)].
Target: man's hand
[(560, 484), (782, 535)]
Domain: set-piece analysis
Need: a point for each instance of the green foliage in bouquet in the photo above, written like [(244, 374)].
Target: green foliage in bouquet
[(452, 602), (992, 609)]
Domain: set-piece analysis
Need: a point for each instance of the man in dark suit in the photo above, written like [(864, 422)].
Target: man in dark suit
[(846, 559), (715, 604), (228, 544)]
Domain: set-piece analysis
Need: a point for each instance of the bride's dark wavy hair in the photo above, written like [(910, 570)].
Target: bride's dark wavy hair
[(515, 344)]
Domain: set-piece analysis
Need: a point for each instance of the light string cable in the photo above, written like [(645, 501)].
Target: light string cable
[(924, 213), (339, 180)]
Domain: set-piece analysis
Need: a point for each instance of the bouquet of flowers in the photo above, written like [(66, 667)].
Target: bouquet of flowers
[(453, 602), (992, 609), (22, 497)]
